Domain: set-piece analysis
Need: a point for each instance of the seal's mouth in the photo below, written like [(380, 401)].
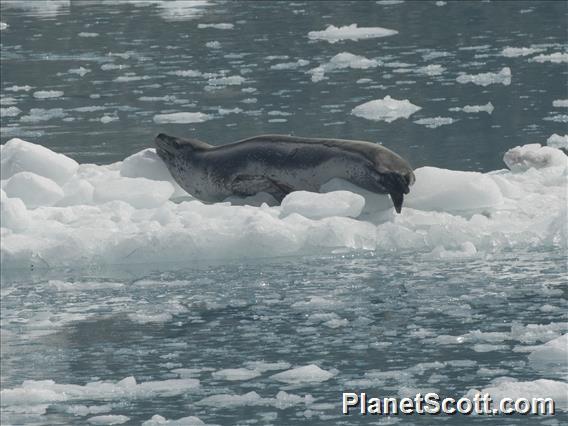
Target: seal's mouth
[(166, 143)]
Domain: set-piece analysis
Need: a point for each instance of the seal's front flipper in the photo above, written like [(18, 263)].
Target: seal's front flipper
[(397, 199), (247, 185)]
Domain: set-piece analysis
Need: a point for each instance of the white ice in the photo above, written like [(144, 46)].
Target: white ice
[(305, 374), (433, 122), (220, 26), (341, 61), (557, 141), (108, 419), (181, 117), (556, 58), (488, 108), (158, 420), (485, 79), (70, 214), (333, 34), (560, 103), (386, 109), (513, 52), (46, 94)]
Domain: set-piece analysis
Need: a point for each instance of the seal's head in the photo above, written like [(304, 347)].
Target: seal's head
[(396, 175)]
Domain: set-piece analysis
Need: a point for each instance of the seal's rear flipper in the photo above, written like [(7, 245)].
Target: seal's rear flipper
[(247, 185), (397, 199)]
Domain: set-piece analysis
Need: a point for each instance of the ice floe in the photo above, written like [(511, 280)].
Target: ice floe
[(560, 103), (305, 374), (333, 34), (488, 108), (386, 109), (341, 61), (109, 419), (47, 94), (158, 420), (220, 26), (556, 58), (513, 52), (485, 79), (181, 117), (433, 122), (66, 213), (557, 141)]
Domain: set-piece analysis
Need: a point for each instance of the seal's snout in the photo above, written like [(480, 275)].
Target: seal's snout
[(165, 143)]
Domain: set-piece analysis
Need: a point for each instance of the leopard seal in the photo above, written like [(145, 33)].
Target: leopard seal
[(280, 164)]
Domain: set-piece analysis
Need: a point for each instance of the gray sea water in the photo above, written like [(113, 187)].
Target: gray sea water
[(390, 324)]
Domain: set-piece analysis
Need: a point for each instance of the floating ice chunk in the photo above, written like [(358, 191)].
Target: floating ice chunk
[(21, 156), (3, 26), (144, 318), (221, 26), (488, 108), (83, 410), (389, 2), (386, 109), (434, 122), (560, 103), (290, 65), (81, 71), (41, 114), (556, 58), (541, 388), (306, 374), (34, 190), (25, 88), (557, 141), (440, 3), (44, 391), (138, 192), (317, 206), (181, 118), (213, 44), (130, 77), (88, 35), (485, 79), (234, 374), (109, 419), (341, 61), (233, 80), (10, 111), (13, 214), (431, 70), (47, 94), (560, 118), (333, 34), (524, 157), (449, 190), (513, 52), (551, 355), (158, 420)]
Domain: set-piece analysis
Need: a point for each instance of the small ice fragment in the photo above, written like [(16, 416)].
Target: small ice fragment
[(485, 79), (333, 34), (306, 374), (3, 26), (513, 52), (47, 94), (434, 122), (181, 118), (234, 80), (79, 71), (560, 103), (557, 141), (524, 157), (13, 214), (234, 374), (488, 108), (556, 58), (10, 111), (341, 61), (386, 109), (88, 35), (213, 45), (221, 26)]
